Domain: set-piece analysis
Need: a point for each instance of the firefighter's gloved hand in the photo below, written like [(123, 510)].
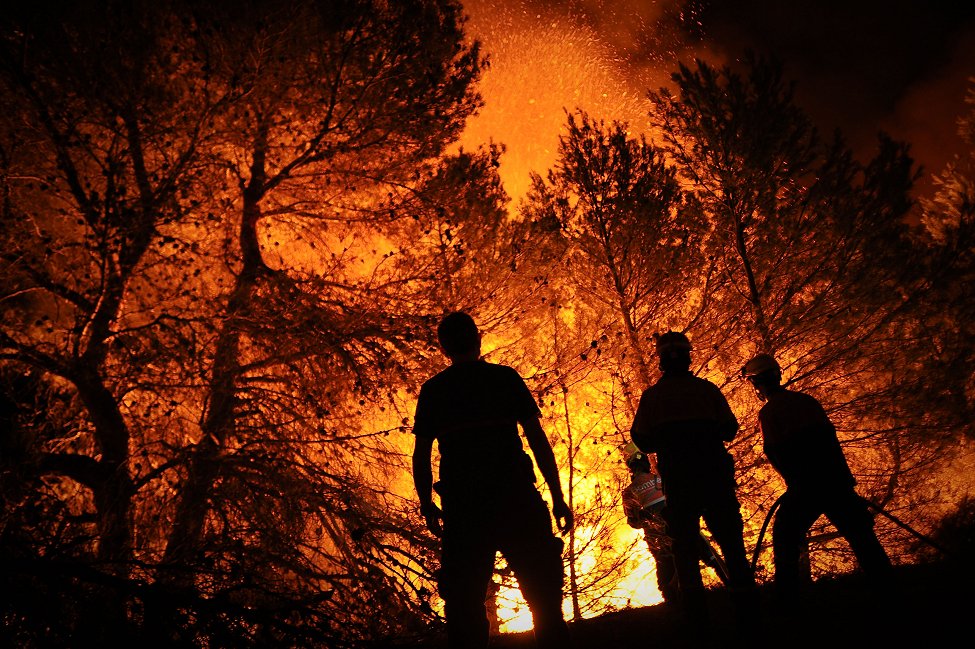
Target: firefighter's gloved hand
[(562, 514), (434, 518)]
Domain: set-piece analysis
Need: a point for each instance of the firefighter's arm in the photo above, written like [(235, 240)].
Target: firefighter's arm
[(642, 431), (545, 459), (726, 422), (423, 481), (631, 507)]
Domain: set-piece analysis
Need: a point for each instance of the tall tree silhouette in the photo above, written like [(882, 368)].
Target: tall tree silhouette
[(630, 238), (810, 246), (947, 230), (629, 265), (100, 145), (198, 210)]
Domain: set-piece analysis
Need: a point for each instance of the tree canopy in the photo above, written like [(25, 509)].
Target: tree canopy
[(228, 232)]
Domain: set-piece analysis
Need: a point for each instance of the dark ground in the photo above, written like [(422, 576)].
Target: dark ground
[(924, 607)]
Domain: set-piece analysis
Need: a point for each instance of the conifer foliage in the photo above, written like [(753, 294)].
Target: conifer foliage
[(228, 230)]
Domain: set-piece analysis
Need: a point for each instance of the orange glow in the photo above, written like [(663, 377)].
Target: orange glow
[(513, 613), (636, 589), (543, 64)]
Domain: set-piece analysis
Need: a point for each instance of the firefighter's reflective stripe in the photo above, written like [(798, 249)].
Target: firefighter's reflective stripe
[(648, 489)]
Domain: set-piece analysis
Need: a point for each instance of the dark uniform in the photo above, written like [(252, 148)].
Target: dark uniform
[(489, 499), (801, 444), (686, 421)]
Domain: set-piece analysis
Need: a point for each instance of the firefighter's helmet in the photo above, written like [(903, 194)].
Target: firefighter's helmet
[(761, 365), (672, 341), (634, 456)]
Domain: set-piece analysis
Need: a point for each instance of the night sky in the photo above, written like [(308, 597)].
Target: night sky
[(865, 65)]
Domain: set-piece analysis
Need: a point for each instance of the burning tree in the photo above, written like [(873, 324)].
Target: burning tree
[(947, 230), (229, 230), (200, 261), (810, 247), (629, 245)]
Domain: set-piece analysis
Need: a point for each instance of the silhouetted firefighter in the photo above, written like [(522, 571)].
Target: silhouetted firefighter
[(801, 444), (686, 421), (487, 489), (644, 503)]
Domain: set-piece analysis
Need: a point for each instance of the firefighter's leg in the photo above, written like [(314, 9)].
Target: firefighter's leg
[(723, 516), (851, 517), (792, 520), (660, 546), (467, 562), (667, 576), (534, 554), (727, 530), (683, 524)]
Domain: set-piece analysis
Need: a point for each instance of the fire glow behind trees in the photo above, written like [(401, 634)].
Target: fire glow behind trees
[(228, 234)]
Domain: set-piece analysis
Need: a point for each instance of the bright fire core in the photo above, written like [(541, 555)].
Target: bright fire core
[(637, 589)]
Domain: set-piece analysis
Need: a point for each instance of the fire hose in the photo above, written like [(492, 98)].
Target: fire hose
[(761, 534)]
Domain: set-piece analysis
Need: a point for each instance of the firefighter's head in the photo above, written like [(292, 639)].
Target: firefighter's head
[(636, 460), (458, 336), (674, 351), (764, 373)]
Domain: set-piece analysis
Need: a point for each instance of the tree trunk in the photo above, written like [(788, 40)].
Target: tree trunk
[(204, 465)]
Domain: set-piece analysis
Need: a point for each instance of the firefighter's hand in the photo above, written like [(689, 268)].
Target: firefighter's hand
[(434, 518), (562, 514)]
